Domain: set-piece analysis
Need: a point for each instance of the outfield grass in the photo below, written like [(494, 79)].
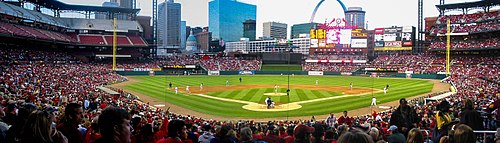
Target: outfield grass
[(281, 67), (156, 87)]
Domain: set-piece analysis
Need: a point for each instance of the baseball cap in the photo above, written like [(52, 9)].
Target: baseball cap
[(302, 130), (393, 128)]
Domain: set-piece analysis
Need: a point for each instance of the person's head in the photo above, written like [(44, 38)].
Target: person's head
[(345, 113), (355, 136), (177, 128), (303, 132), (74, 113), (38, 126), (469, 104), (374, 133), (393, 129), (464, 134), (403, 103), (444, 106), (114, 124), (319, 131), (246, 134), (415, 136), (331, 114)]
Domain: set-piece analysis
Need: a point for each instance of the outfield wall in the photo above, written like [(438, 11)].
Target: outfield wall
[(399, 75)]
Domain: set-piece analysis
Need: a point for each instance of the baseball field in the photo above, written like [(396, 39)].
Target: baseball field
[(247, 98)]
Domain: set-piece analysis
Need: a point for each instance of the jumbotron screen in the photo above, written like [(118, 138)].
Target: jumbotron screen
[(338, 38)]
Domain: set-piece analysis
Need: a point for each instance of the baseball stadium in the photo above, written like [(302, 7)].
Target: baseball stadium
[(110, 74)]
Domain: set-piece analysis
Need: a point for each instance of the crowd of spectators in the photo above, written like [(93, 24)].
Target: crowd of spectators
[(335, 67), (336, 57), (231, 64), (468, 18), (468, 23), (467, 44), (213, 63)]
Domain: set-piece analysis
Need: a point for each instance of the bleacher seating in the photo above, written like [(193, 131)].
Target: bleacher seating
[(92, 39), (120, 40), (136, 40)]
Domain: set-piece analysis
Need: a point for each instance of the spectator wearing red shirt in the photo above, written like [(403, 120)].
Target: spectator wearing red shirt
[(177, 133), (345, 119), (114, 125), (73, 116)]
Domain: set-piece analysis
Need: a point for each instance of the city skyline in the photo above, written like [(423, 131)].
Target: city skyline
[(380, 13)]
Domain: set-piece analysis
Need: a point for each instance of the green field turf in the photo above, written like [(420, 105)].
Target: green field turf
[(281, 67), (156, 87)]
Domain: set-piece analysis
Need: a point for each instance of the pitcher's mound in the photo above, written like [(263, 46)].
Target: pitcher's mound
[(275, 94), (263, 107)]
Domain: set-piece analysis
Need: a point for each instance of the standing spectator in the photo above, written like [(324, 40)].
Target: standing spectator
[(345, 119), (463, 134), (443, 120), (272, 135), (395, 136), (73, 115), (405, 117), (415, 136), (114, 125), (331, 120), (471, 117)]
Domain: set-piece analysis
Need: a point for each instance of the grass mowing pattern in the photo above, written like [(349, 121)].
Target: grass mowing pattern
[(278, 67), (155, 87)]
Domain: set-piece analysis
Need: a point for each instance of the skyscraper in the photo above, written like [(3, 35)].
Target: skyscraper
[(169, 25), (249, 29), (183, 34), (355, 16), (275, 30), (226, 16), (303, 28)]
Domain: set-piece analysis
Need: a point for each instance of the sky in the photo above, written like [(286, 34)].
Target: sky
[(379, 13)]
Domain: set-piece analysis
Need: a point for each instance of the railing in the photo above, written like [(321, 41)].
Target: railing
[(482, 137)]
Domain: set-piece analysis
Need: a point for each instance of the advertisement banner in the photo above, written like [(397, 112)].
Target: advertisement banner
[(314, 43), (213, 72), (393, 44), (406, 37), (359, 43), (393, 49), (379, 31), (346, 73), (407, 43), (247, 72), (390, 37), (379, 44), (407, 29), (379, 37), (315, 73), (393, 30), (120, 69)]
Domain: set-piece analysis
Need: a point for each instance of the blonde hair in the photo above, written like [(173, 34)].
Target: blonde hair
[(38, 126)]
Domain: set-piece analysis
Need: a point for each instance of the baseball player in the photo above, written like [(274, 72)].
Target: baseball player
[(350, 85), (227, 82), (201, 86), (316, 82), (385, 90), (374, 102), (187, 89), (176, 90), (276, 89)]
